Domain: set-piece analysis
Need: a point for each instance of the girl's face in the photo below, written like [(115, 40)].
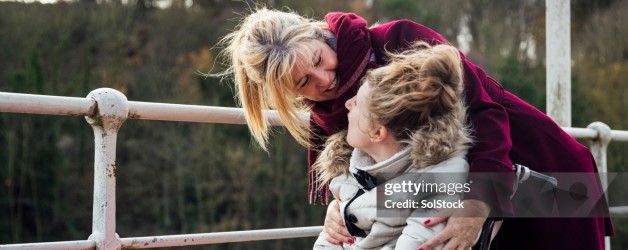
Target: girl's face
[(317, 81), (358, 134)]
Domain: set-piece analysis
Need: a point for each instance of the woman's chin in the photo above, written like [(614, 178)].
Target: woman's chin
[(323, 98)]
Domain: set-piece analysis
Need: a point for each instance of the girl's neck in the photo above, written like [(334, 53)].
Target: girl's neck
[(382, 151)]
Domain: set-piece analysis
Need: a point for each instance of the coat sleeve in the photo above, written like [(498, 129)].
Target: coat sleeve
[(315, 145), (490, 165), (490, 168)]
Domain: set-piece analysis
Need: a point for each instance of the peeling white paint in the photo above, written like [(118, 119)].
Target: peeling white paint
[(112, 109), (558, 57)]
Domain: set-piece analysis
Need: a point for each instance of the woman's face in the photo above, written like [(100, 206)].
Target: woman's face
[(317, 81), (358, 134)]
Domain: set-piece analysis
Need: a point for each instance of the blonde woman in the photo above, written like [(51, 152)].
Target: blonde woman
[(283, 61), (406, 124)]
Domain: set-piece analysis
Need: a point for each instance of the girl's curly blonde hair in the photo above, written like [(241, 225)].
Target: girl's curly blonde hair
[(418, 97)]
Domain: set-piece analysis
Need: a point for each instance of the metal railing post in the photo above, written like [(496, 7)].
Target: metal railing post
[(558, 59), (112, 109), (599, 146)]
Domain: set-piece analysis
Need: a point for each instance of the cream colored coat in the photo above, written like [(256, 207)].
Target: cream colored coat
[(404, 228)]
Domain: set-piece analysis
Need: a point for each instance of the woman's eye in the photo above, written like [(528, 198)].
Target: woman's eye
[(320, 59), (304, 83)]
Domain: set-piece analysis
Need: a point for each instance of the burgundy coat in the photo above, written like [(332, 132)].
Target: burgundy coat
[(506, 130)]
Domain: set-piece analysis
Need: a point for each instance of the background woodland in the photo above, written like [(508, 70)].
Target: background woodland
[(177, 178)]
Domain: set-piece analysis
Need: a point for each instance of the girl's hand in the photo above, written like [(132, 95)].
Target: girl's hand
[(334, 225), (463, 227)]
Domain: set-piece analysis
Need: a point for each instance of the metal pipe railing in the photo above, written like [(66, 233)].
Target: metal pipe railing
[(221, 237), (79, 106), (558, 61), (107, 109), (60, 245), (584, 133), (195, 113), (622, 211), (619, 135), (46, 105), (112, 111)]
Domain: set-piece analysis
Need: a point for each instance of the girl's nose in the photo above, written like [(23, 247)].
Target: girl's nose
[(348, 103)]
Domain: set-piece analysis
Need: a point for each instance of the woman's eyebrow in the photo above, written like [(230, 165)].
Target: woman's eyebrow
[(315, 57), (300, 82), (318, 54)]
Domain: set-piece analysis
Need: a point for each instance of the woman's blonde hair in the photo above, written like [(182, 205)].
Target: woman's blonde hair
[(263, 50), (418, 97)]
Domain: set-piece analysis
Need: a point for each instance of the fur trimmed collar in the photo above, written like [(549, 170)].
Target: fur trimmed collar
[(396, 164)]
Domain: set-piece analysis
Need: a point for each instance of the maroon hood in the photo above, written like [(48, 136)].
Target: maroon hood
[(353, 52)]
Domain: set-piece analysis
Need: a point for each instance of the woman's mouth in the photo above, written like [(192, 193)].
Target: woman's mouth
[(333, 85)]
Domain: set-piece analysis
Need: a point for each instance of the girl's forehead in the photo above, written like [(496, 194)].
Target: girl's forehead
[(364, 90)]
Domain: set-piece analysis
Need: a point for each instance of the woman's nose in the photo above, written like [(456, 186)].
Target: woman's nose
[(321, 78)]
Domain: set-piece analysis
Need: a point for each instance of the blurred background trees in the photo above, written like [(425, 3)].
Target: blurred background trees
[(178, 178)]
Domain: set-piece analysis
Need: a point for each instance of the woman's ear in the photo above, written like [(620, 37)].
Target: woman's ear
[(380, 134)]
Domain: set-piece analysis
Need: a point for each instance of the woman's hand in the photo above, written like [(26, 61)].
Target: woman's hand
[(463, 227), (334, 225)]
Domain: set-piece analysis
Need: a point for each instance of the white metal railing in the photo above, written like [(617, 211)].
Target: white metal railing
[(223, 237), (558, 61), (107, 109)]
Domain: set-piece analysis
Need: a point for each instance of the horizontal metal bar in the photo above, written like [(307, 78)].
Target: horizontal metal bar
[(77, 106), (60, 245), (622, 211), (195, 113), (222, 237), (45, 104), (584, 133), (185, 113), (619, 135)]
